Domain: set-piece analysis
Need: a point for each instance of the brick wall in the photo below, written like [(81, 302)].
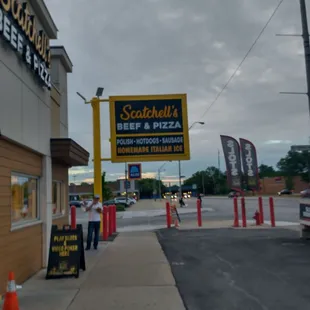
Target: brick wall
[(276, 184)]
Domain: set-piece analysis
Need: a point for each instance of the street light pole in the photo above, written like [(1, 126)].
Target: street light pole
[(159, 183), (180, 181), (95, 104), (159, 187)]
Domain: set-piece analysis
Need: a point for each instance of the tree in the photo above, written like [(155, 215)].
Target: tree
[(295, 163), (209, 181), (85, 184), (106, 191), (148, 185), (289, 182), (267, 171)]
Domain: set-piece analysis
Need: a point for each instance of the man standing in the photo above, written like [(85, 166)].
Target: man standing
[(94, 210)]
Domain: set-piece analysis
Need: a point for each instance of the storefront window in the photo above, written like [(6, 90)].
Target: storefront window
[(57, 198), (24, 205)]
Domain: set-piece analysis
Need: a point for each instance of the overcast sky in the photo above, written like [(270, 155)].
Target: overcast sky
[(133, 47)]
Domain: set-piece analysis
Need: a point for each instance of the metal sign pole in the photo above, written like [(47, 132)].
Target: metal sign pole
[(126, 181)]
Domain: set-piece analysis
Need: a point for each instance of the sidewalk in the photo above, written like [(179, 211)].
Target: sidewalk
[(130, 273)]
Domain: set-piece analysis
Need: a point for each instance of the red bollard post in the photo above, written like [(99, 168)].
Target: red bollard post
[(168, 215), (105, 223), (243, 212), (73, 217), (111, 220), (236, 215), (261, 209), (272, 216), (199, 217), (114, 219), (111, 211)]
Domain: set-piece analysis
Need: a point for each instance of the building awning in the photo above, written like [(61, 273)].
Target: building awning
[(67, 152)]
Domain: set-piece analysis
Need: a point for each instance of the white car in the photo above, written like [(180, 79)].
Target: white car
[(130, 201)]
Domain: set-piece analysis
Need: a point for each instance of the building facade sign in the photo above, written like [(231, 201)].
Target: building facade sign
[(19, 29)]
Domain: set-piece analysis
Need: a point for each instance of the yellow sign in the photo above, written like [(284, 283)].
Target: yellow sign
[(149, 128)]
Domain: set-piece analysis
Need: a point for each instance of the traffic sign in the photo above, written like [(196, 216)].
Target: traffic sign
[(134, 171)]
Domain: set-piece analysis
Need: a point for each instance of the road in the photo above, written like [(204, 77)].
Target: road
[(286, 209), (258, 269)]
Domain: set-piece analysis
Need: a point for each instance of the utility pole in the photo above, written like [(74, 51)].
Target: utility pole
[(218, 160), (305, 36)]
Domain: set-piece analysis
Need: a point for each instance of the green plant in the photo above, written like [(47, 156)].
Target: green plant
[(120, 208), (289, 182), (106, 191)]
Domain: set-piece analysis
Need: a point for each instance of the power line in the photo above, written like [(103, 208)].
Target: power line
[(243, 59)]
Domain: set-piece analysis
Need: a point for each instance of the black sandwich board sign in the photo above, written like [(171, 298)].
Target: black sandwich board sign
[(66, 253)]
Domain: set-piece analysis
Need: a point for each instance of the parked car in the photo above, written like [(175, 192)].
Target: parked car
[(305, 193), (114, 202), (285, 192), (130, 201), (174, 197), (76, 203), (233, 194), (133, 199)]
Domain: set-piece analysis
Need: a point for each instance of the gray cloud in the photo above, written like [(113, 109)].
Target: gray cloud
[(180, 46)]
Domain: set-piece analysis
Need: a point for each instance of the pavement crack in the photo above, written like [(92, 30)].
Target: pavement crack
[(75, 295), (225, 261), (247, 294)]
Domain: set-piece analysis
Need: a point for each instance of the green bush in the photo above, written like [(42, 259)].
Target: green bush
[(120, 208)]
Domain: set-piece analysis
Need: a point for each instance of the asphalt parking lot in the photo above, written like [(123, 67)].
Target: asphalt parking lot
[(228, 269)]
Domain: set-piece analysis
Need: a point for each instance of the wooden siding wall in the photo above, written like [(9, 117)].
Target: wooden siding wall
[(20, 250), (60, 173)]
